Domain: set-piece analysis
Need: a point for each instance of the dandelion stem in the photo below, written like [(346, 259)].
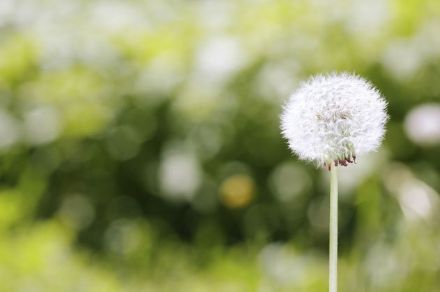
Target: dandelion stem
[(333, 240)]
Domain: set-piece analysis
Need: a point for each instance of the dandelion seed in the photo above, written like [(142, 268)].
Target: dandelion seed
[(334, 118)]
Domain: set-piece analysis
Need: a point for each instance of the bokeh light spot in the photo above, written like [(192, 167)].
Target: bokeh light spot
[(237, 191)]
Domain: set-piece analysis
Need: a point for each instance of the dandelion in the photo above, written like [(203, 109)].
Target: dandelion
[(334, 118), (331, 120)]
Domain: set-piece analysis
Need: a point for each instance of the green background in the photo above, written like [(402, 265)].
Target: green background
[(140, 147)]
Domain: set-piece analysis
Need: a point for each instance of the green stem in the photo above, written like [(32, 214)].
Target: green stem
[(333, 240)]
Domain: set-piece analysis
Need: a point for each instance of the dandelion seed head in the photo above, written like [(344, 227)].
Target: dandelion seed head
[(334, 117)]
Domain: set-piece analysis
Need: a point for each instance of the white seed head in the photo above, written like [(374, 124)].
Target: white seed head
[(334, 117)]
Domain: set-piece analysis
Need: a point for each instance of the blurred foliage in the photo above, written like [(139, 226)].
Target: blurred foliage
[(140, 146)]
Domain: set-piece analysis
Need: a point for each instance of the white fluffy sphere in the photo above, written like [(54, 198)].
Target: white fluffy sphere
[(334, 118)]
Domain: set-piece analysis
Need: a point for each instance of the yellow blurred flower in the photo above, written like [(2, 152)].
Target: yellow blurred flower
[(237, 191)]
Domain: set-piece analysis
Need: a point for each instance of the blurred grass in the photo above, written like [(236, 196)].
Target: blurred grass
[(140, 146)]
